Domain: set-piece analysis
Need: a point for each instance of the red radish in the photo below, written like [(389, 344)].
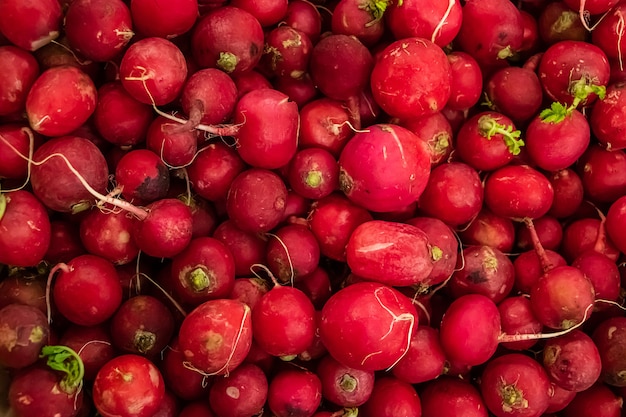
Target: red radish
[(451, 397), (228, 38), (316, 286), (299, 90), (529, 268), (384, 168), (268, 121), (530, 41), (142, 325), (558, 22), (391, 397), (391, 320), (215, 337), (292, 252), (87, 277), (342, 385), (590, 7), (425, 359), (438, 21), (609, 32), (20, 69), (30, 25), (304, 16), (176, 149), (390, 253), (249, 290), (572, 361), (294, 392), (165, 19), (142, 176), (603, 174), (435, 130), (92, 344), (411, 78), (25, 331), (490, 230), (516, 317), (204, 270), (324, 123), (608, 337), (607, 118), (568, 193), (515, 385), (119, 118), (185, 383), (25, 229), (59, 115), (597, 401), (65, 243), (587, 234), (15, 142), (213, 170), (23, 289), (128, 386), (267, 12), (363, 21), (559, 398), (153, 71), (247, 248), (59, 53), (549, 231), (241, 394), (515, 92), (196, 409), (518, 191), (287, 52), (313, 173), (454, 194), (602, 272), (98, 29), (209, 97), (488, 141), (109, 235), (615, 220), (467, 80)]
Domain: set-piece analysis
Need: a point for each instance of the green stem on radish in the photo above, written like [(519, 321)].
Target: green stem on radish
[(66, 360), (488, 127), (227, 61), (580, 90), (376, 9)]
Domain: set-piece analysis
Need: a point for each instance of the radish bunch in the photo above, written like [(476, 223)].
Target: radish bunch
[(316, 209)]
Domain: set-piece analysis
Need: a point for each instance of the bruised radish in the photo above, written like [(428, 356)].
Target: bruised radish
[(25, 331), (452, 397), (20, 69), (342, 385), (142, 176), (30, 25), (384, 168), (57, 115), (294, 392), (411, 78), (425, 359), (109, 235), (558, 22), (240, 394), (215, 337), (391, 397), (209, 97), (287, 52), (390, 317), (609, 337), (165, 19)]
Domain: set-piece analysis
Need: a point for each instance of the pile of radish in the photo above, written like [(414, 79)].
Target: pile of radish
[(313, 208)]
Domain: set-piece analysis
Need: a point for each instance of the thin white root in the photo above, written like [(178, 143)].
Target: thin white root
[(292, 271), (442, 22)]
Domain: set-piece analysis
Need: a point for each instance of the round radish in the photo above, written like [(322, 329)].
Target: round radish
[(490, 230), (93, 345), (20, 69), (515, 92), (529, 268), (324, 123), (292, 252), (240, 394), (142, 176), (165, 19), (294, 392), (25, 331), (467, 81), (268, 12), (109, 235), (247, 248), (609, 32), (30, 25), (342, 385), (608, 337), (608, 119), (597, 401), (209, 96), (213, 170), (176, 149), (615, 220), (451, 397), (568, 193), (287, 52), (558, 22), (186, 384), (603, 173), (425, 359), (436, 131), (14, 143), (391, 397), (304, 16), (517, 317)]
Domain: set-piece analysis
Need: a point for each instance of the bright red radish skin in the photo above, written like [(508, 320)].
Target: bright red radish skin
[(304, 16), (31, 25), (351, 18), (467, 79), (615, 220), (286, 52), (242, 393), (391, 319), (164, 19), (608, 119), (391, 397), (313, 173), (176, 149), (425, 359), (603, 174), (25, 331), (294, 392), (603, 274), (559, 398), (128, 386), (20, 69), (324, 123), (549, 231), (587, 234), (13, 136), (529, 268), (267, 12), (608, 34), (213, 170), (451, 397), (490, 230), (209, 96), (342, 385)]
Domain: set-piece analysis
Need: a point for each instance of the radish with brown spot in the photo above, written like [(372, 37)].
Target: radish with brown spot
[(608, 119), (286, 53), (25, 331), (609, 338)]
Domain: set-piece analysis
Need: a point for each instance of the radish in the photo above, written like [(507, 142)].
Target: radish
[(559, 398), (209, 97), (23, 289), (286, 52), (294, 392), (98, 29), (450, 397), (324, 123), (615, 219), (391, 397), (267, 12), (241, 394), (304, 16), (21, 69), (558, 22), (607, 118), (342, 385), (153, 71), (292, 253), (516, 317), (425, 359), (411, 78), (313, 173), (587, 234), (15, 142), (391, 320), (435, 130), (609, 32), (362, 20), (213, 170), (196, 409), (467, 81), (384, 168), (515, 92), (247, 248), (31, 25), (515, 385), (528, 268), (92, 344), (165, 19), (603, 174), (590, 7), (60, 115), (186, 384), (487, 229), (316, 286), (176, 149), (128, 385), (25, 332), (25, 229), (568, 193), (219, 40), (215, 337), (597, 401), (608, 338), (109, 235), (249, 290), (299, 90), (65, 243), (142, 176), (602, 272), (549, 231)]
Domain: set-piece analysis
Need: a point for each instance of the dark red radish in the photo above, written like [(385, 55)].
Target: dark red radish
[(515, 92), (15, 141), (549, 231), (304, 16), (228, 38), (392, 397), (185, 383), (170, 405), (517, 318), (209, 97), (153, 71), (559, 398), (317, 286), (574, 72), (30, 25), (213, 170), (342, 385), (603, 174), (608, 33), (241, 394), (391, 320), (425, 359), (286, 52), (292, 252), (467, 80), (128, 386), (313, 173), (490, 230), (256, 200), (109, 235), (587, 234), (215, 337), (165, 230), (198, 408), (247, 248), (590, 7), (23, 289), (204, 270), (572, 361), (20, 69), (92, 344), (119, 118), (57, 115), (515, 385), (469, 329), (491, 32), (25, 230), (165, 19), (488, 141), (267, 12), (142, 325), (615, 220), (451, 397), (607, 118), (250, 80), (531, 43), (59, 53), (25, 331), (568, 193), (390, 253), (602, 272), (325, 123), (384, 168), (529, 268), (517, 192), (608, 337), (435, 130), (299, 90), (597, 401), (98, 29), (56, 184), (294, 392), (438, 21), (558, 22), (142, 176), (249, 290), (176, 149), (87, 277), (268, 121), (454, 194), (65, 243), (411, 78), (362, 21)]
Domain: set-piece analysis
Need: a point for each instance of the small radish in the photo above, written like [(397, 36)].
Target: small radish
[(31, 25), (25, 331), (176, 149), (342, 385), (568, 193), (585, 234), (363, 20), (241, 394), (247, 248), (603, 173), (142, 176), (23, 289), (304, 16), (165, 19), (516, 317), (590, 7), (294, 392), (451, 397), (299, 90), (597, 401), (249, 290), (213, 170), (292, 252), (391, 397), (186, 384), (425, 359), (559, 398), (267, 12), (490, 230), (20, 69), (109, 235), (515, 92), (528, 268), (549, 231), (325, 123), (14, 142), (65, 243), (467, 81), (209, 96), (287, 52), (313, 173)]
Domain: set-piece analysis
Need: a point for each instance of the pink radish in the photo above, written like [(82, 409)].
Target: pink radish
[(304, 16), (549, 231), (165, 19), (558, 22), (249, 290), (31, 25), (324, 123), (20, 69), (516, 317), (267, 12), (176, 149)]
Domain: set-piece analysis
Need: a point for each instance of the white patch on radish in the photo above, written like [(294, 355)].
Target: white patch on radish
[(155, 376), (233, 392), (375, 247), (32, 225), (36, 44), (610, 332)]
